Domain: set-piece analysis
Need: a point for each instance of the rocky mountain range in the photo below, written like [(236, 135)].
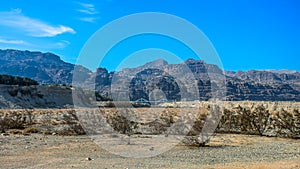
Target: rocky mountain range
[(189, 80), (46, 68), (250, 85)]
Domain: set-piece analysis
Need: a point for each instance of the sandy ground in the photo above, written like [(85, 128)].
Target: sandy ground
[(225, 151)]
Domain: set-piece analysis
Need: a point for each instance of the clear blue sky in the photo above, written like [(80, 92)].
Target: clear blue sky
[(248, 34)]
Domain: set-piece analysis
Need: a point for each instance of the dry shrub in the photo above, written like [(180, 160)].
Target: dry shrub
[(15, 131), (259, 119), (198, 124), (192, 141), (66, 132), (47, 132), (120, 122), (11, 123), (72, 121), (109, 104), (54, 122), (75, 128), (228, 122), (244, 120), (288, 123), (29, 130)]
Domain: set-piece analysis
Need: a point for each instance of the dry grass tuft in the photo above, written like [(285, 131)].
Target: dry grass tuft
[(29, 130), (15, 131)]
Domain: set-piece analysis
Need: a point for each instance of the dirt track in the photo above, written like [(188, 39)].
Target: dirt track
[(224, 151)]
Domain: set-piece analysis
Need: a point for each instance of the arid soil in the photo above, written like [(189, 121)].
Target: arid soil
[(223, 152), (83, 138)]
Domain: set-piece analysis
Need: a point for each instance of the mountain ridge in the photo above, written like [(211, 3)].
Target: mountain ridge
[(241, 85)]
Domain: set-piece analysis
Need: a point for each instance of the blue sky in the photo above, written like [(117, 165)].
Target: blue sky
[(248, 34)]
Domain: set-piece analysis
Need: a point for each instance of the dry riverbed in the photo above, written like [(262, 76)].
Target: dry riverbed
[(224, 151)]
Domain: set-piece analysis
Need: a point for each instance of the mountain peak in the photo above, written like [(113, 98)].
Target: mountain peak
[(42, 67), (191, 60), (159, 62), (155, 64)]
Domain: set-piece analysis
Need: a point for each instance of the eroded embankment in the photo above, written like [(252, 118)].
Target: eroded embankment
[(280, 119)]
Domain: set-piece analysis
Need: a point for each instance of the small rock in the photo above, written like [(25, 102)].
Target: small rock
[(53, 134), (88, 159), (4, 134)]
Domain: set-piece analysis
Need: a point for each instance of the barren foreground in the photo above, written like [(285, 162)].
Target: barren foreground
[(224, 151)]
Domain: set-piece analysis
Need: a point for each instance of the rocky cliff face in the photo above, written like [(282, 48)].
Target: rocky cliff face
[(251, 85), (264, 85), (250, 90), (149, 80), (266, 76)]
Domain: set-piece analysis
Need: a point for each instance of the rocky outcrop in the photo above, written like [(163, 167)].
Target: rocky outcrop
[(149, 80)]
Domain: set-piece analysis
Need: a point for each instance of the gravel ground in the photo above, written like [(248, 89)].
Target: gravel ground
[(39, 151)]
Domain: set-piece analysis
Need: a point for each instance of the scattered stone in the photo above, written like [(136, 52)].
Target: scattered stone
[(4, 134), (89, 159)]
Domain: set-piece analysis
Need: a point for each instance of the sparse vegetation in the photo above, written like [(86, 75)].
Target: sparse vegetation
[(29, 130), (256, 118), (15, 80), (287, 122), (261, 120), (120, 122), (15, 131), (14, 121)]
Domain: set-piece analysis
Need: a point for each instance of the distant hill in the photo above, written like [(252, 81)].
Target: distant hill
[(42, 67), (263, 85), (15, 80), (43, 96), (35, 96), (291, 78)]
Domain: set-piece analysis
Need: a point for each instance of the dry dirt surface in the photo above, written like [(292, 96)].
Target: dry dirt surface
[(225, 151)]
